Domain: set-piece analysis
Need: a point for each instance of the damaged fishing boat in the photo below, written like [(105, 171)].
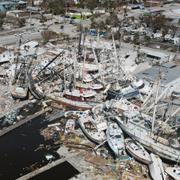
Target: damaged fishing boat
[(19, 83), (115, 138), (94, 129), (139, 126), (173, 172)]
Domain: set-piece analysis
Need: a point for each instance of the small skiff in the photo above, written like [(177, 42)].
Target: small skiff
[(137, 151), (156, 168)]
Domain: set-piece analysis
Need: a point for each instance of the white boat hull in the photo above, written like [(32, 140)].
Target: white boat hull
[(137, 151), (144, 137), (115, 138), (156, 168), (174, 172)]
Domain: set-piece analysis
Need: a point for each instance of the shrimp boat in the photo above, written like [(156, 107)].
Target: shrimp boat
[(70, 126), (127, 92), (34, 88), (139, 127), (156, 168), (19, 84), (174, 172), (80, 94), (77, 105), (93, 86), (94, 129), (115, 138), (137, 151)]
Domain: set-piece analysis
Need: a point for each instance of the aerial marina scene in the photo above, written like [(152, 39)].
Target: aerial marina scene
[(89, 89)]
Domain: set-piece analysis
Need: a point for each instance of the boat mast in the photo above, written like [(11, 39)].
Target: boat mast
[(64, 75), (83, 68), (115, 51), (75, 69), (155, 102)]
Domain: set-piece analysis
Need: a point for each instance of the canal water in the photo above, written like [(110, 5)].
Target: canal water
[(58, 172), (18, 151)]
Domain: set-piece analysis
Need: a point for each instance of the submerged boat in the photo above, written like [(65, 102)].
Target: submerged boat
[(115, 138), (94, 129), (156, 168), (137, 151), (174, 172)]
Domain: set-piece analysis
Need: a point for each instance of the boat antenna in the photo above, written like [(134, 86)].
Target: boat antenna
[(50, 63), (80, 38)]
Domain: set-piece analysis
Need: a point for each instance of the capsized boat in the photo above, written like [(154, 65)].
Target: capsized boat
[(115, 138), (174, 172), (94, 129), (137, 151), (156, 168)]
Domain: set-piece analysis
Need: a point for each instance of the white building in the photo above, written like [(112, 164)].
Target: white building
[(6, 55)]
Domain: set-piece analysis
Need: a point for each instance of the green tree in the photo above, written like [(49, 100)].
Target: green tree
[(47, 35), (21, 22), (57, 7)]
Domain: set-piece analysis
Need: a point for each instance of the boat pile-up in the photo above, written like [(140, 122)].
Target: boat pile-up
[(110, 122)]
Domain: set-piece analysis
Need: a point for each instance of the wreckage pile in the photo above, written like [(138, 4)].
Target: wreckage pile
[(108, 112)]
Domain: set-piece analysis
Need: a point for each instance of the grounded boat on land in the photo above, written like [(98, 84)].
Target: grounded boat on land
[(70, 126), (34, 88), (139, 131), (156, 168), (115, 138), (137, 151), (174, 172), (94, 129), (77, 105), (127, 93), (139, 127), (19, 84), (93, 86), (80, 95)]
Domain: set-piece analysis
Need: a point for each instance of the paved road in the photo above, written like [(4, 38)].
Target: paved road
[(13, 39)]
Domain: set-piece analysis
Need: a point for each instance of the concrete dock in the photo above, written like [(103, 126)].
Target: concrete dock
[(48, 166), (21, 122)]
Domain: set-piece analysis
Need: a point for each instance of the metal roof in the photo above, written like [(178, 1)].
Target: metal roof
[(169, 72)]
